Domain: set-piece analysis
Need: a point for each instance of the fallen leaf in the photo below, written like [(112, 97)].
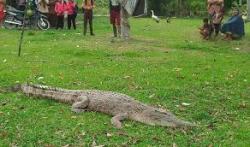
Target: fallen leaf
[(109, 135), (74, 117), (174, 145), (177, 69), (243, 105), (185, 104), (93, 143), (127, 77), (152, 95), (83, 134), (40, 78), (127, 125)]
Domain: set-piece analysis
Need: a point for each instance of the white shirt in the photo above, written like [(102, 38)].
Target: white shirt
[(114, 2)]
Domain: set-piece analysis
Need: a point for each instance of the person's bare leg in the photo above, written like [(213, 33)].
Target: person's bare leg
[(125, 27)]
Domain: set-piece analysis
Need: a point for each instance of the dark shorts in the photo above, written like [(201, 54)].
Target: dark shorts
[(115, 17), (88, 15)]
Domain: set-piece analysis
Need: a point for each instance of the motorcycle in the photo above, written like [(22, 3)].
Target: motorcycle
[(15, 19)]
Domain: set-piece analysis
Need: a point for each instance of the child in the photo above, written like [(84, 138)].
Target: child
[(70, 8), (2, 8), (75, 11), (88, 6), (115, 16), (206, 29), (59, 9), (217, 19)]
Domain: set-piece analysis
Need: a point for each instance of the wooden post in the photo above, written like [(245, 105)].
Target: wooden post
[(22, 33), (21, 39)]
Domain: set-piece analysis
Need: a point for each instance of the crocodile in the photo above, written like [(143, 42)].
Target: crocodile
[(118, 105)]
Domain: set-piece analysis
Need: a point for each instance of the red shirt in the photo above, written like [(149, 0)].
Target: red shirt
[(69, 7), (59, 8), (1, 11)]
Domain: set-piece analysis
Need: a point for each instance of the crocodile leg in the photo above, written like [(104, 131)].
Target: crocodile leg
[(80, 106), (116, 120)]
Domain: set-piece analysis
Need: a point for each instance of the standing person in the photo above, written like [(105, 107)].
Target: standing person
[(216, 13), (206, 29), (2, 8), (70, 8), (75, 12), (52, 14), (43, 6), (88, 6), (59, 9), (115, 16)]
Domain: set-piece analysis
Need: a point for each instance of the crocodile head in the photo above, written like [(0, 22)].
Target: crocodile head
[(162, 118)]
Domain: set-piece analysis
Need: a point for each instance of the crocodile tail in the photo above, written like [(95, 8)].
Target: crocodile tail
[(14, 88), (57, 94)]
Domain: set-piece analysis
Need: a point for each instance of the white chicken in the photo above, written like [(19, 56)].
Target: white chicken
[(155, 18), (244, 17)]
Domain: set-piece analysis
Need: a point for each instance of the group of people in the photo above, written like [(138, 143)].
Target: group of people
[(69, 9), (232, 29)]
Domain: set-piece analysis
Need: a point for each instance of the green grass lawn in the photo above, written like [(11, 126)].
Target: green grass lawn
[(163, 65)]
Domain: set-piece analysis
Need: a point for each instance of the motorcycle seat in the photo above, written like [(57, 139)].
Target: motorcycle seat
[(12, 9)]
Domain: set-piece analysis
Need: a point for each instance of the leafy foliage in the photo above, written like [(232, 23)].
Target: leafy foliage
[(184, 7)]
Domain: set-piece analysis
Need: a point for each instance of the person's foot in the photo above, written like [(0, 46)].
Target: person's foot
[(227, 38), (206, 38)]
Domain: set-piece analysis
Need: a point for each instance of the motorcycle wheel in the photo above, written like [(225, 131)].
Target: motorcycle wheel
[(43, 24), (8, 25)]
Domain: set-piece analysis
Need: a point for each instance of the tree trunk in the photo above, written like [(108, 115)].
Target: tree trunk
[(240, 2), (248, 9), (125, 27)]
